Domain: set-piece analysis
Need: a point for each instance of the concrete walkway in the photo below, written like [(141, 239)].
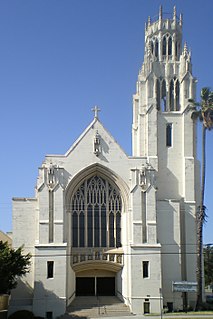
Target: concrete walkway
[(164, 316)]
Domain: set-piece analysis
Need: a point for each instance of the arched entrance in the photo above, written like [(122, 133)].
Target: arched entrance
[(95, 203), (99, 277)]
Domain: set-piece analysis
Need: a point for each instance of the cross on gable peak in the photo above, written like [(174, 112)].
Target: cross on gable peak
[(96, 109)]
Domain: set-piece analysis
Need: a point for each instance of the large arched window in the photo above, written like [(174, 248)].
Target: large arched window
[(96, 214)]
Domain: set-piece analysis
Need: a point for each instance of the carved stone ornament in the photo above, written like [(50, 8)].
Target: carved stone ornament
[(147, 177), (97, 144), (52, 175)]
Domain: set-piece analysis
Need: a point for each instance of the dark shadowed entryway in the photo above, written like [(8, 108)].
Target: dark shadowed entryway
[(105, 286), (95, 286), (85, 286)]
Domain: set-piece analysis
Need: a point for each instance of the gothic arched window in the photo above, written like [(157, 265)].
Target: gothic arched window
[(158, 95), (169, 46), (96, 214), (176, 49), (164, 45), (163, 96), (156, 48), (171, 95), (177, 96)]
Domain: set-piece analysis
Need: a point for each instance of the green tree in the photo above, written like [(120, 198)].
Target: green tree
[(13, 265), (208, 264), (204, 111)]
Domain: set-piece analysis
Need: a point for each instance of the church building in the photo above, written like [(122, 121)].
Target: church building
[(105, 223)]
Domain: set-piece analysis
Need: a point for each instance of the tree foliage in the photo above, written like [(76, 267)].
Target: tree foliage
[(204, 111), (208, 264), (13, 264)]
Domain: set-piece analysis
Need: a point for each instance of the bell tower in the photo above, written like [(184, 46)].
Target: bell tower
[(162, 128), (164, 134)]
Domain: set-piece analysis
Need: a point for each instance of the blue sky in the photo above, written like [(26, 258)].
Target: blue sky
[(60, 58)]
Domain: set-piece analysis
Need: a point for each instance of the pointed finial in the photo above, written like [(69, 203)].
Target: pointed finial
[(149, 21), (181, 19), (160, 13), (174, 13), (96, 110), (185, 49)]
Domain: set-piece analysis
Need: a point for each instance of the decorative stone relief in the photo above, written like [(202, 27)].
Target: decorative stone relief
[(147, 177), (97, 144), (52, 175)]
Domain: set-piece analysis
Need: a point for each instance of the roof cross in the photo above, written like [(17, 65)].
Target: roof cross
[(96, 110)]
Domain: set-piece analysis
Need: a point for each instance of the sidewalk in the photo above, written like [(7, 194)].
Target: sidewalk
[(164, 316)]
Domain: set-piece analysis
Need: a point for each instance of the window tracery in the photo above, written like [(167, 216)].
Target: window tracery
[(161, 95), (167, 45), (96, 214)]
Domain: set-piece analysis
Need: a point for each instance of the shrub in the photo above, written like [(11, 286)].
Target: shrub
[(22, 314)]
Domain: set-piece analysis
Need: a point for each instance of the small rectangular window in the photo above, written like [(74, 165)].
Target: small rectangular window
[(50, 269), (145, 269), (169, 135)]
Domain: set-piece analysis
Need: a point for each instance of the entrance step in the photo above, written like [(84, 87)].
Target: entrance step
[(91, 307)]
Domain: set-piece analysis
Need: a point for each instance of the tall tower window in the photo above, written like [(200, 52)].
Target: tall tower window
[(161, 95), (176, 49), (96, 214), (158, 95), (164, 45), (145, 266), (177, 96), (156, 48), (171, 96), (169, 46), (154, 44), (169, 135)]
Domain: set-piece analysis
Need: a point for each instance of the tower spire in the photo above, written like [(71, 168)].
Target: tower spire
[(174, 13), (160, 12)]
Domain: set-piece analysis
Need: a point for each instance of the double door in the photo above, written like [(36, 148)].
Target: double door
[(95, 286)]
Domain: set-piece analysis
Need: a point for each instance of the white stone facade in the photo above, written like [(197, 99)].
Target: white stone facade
[(98, 213)]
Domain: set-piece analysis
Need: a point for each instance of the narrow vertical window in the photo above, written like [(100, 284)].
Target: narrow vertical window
[(177, 96), (169, 135), (170, 46), (176, 49), (171, 96), (156, 48), (157, 92), (145, 269), (50, 269), (164, 45), (163, 96)]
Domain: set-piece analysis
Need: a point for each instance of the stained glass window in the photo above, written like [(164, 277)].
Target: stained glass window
[(96, 214)]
